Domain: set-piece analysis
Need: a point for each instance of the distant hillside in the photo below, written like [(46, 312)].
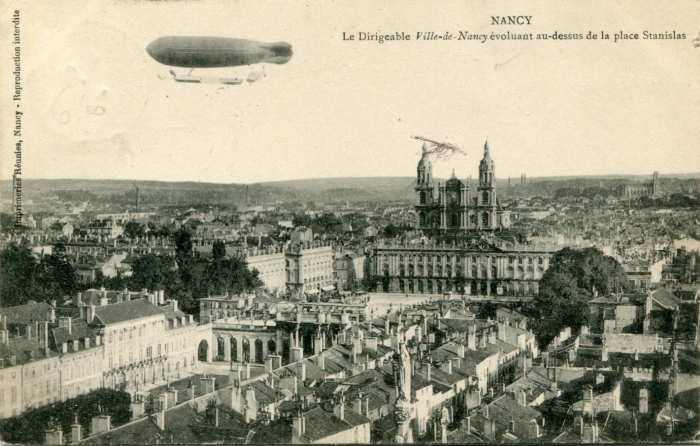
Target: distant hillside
[(319, 190)]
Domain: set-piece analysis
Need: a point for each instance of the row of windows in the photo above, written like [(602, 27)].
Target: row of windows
[(457, 259)]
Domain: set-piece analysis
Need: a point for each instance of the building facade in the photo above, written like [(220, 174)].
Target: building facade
[(309, 266), (486, 266), (451, 207), (271, 268)]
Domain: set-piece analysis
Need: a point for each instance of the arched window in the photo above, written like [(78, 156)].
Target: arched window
[(422, 197), (485, 197), (485, 218)]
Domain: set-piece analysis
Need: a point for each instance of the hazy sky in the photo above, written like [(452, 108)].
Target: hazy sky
[(342, 108)]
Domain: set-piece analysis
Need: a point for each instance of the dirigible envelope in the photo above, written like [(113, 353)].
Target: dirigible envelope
[(215, 52)]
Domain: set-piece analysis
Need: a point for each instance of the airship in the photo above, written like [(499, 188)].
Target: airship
[(215, 52)]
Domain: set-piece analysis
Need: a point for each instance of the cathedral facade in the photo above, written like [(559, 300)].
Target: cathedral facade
[(471, 250), (451, 207)]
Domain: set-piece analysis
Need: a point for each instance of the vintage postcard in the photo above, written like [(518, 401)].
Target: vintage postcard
[(277, 222)]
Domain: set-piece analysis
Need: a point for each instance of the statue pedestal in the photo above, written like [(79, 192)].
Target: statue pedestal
[(404, 414)]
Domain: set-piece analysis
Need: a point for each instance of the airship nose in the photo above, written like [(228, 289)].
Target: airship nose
[(155, 50), (282, 52)]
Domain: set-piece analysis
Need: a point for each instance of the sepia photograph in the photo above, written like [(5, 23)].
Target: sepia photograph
[(270, 222)]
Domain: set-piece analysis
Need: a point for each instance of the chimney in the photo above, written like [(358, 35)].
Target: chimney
[(29, 331), (321, 361), (365, 402), (90, 314), (76, 432), (87, 343), (100, 424), (522, 397), (599, 379), (447, 366), (302, 371), (173, 304), (486, 411), (471, 337), (64, 348), (511, 425), (160, 419), (356, 344), (53, 436), (429, 375), (298, 427), (371, 343), (492, 337), (339, 408), (466, 424)]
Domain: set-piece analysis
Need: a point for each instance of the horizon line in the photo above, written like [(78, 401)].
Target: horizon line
[(612, 176)]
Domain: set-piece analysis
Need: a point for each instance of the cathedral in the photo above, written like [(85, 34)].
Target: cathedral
[(471, 249), (450, 208)]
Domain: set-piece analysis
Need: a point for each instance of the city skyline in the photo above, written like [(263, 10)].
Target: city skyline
[(349, 109)]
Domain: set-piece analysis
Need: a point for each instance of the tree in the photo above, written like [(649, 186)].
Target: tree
[(218, 250), (28, 428), (154, 272), (134, 229), (573, 278), (183, 244), (368, 279), (230, 275), (56, 274), (18, 276), (327, 224), (301, 220), (391, 231)]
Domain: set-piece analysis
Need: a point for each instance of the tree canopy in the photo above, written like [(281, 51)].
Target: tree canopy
[(24, 278), (574, 277)]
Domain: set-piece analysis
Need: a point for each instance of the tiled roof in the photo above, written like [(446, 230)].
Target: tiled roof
[(263, 393), (321, 424), (24, 314), (79, 330), (666, 299), (21, 348), (124, 311)]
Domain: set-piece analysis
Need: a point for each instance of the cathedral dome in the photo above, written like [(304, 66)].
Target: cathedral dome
[(454, 182)]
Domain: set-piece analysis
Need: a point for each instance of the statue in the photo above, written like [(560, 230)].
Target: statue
[(404, 374)]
